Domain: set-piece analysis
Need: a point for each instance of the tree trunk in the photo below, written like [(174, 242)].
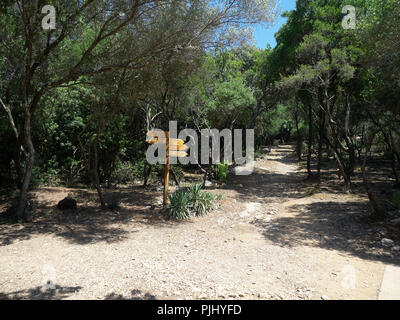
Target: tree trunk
[(320, 140), (349, 143), (310, 140), (95, 173), (146, 174), (378, 211), (299, 138), (29, 165)]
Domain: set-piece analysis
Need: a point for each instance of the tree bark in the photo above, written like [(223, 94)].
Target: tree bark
[(310, 140), (320, 140), (23, 199), (95, 174), (378, 211)]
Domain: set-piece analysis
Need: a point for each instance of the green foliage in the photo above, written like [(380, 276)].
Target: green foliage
[(396, 199), (190, 202), (222, 171), (180, 206)]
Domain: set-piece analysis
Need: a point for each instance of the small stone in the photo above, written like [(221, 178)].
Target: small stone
[(395, 222), (208, 183), (387, 242), (187, 245), (396, 248), (324, 297), (382, 232)]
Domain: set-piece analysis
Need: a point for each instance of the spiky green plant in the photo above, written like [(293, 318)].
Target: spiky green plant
[(185, 203), (201, 201), (180, 205)]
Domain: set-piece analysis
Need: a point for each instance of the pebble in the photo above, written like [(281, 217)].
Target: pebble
[(387, 242), (395, 221), (324, 297), (396, 248)]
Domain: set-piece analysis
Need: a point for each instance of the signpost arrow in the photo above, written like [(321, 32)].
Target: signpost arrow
[(174, 147), (179, 154)]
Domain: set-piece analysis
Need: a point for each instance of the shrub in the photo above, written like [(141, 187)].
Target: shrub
[(189, 202), (396, 198), (222, 170), (201, 201), (180, 207)]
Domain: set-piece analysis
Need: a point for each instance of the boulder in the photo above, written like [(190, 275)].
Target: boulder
[(67, 203)]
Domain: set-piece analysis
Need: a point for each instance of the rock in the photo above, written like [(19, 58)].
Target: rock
[(187, 245), (387, 242), (396, 248), (382, 232), (395, 222), (324, 297), (208, 183), (67, 203)]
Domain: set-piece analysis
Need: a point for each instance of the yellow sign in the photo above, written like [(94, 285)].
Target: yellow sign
[(175, 148), (156, 133), (179, 154), (178, 147), (153, 137)]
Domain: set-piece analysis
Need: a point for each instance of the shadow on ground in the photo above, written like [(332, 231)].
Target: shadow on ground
[(40, 294), (325, 223), (89, 224), (135, 295)]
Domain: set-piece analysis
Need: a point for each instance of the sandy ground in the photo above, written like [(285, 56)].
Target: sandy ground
[(271, 238)]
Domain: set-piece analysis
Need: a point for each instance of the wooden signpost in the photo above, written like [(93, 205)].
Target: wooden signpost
[(174, 148)]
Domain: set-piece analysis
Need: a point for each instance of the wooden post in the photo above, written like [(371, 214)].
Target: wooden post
[(174, 148), (166, 170)]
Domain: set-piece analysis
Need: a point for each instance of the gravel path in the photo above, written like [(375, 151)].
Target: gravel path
[(268, 240)]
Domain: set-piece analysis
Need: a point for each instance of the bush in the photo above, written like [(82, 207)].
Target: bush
[(189, 202), (396, 198), (180, 207), (222, 171), (126, 172), (201, 201)]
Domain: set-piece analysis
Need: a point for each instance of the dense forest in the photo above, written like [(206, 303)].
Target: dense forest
[(77, 100)]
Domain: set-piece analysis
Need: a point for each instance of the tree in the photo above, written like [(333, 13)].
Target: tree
[(95, 37)]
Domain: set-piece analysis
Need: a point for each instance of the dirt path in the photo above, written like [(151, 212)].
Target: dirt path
[(271, 239)]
